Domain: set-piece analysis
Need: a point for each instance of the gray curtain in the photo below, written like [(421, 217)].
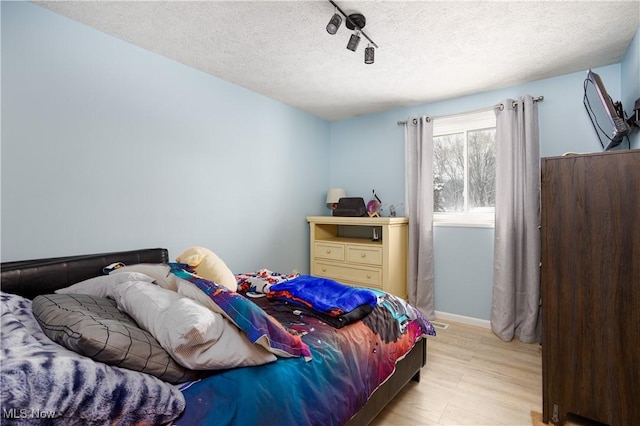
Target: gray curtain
[(516, 270), (419, 201)]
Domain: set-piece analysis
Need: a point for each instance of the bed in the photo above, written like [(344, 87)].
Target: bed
[(330, 375)]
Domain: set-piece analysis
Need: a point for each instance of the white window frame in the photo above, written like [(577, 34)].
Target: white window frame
[(463, 124)]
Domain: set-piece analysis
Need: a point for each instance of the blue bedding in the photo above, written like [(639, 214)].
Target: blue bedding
[(324, 378), (334, 302), (347, 366)]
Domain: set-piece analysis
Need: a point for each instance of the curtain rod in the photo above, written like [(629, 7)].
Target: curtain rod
[(498, 106)]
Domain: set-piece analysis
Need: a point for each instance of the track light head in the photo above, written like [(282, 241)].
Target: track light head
[(354, 41), (334, 24), (369, 54)]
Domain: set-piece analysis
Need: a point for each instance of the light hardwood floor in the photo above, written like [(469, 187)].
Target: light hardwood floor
[(471, 378)]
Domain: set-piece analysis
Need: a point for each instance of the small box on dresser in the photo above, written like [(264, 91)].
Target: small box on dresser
[(343, 249)]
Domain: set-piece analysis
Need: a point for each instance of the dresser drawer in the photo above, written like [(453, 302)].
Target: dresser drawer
[(368, 277), (329, 251), (365, 255)]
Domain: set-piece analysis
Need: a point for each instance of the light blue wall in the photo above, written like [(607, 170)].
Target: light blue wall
[(107, 146), (368, 152), (631, 83)]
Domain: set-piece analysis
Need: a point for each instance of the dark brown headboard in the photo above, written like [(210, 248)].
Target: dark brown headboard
[(30, 278)]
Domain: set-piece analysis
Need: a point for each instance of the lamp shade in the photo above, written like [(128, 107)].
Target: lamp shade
[(334, 194)]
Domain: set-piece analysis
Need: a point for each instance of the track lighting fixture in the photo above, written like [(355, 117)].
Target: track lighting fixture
[(356, 23)]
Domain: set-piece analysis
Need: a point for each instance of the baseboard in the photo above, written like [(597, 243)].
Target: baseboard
[(444, 316)]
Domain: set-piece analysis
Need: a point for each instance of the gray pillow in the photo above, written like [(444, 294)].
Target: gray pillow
[(94, 327)]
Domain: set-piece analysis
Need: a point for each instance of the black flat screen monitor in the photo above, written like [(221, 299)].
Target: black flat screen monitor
[(607, 121)]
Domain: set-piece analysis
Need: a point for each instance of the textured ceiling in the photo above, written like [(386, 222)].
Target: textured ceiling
[(428, 50)]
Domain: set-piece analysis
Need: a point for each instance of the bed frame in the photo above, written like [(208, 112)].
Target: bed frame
[(30, 278)]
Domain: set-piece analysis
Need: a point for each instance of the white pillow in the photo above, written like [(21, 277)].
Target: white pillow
[(187, 289), (196, 337), (160, 272), (102, 286)]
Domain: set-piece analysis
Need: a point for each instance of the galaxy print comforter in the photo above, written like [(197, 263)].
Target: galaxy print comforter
[(347, 365), (326, 375)]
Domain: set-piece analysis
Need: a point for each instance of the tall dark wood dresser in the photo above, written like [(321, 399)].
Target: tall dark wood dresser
[(591, 287)]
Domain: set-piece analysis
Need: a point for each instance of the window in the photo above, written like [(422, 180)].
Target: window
[(464, 169)]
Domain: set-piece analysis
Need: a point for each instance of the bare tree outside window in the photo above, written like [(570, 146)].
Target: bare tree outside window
[(448, 173), (464, 171), (481, 159)]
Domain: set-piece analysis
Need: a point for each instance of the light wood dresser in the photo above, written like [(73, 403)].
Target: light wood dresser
[(343, 249)]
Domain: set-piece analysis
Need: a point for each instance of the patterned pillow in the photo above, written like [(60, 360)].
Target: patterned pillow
[(94, 327)]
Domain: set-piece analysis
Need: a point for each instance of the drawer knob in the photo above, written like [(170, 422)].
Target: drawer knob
[(324, 269), (328, 251), (363, 255), (368, 276)]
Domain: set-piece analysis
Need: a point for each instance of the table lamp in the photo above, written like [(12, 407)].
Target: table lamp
[(334, 195)]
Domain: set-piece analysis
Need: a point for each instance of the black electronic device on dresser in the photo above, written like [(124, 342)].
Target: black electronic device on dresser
[(350, 207), (590, 287)]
